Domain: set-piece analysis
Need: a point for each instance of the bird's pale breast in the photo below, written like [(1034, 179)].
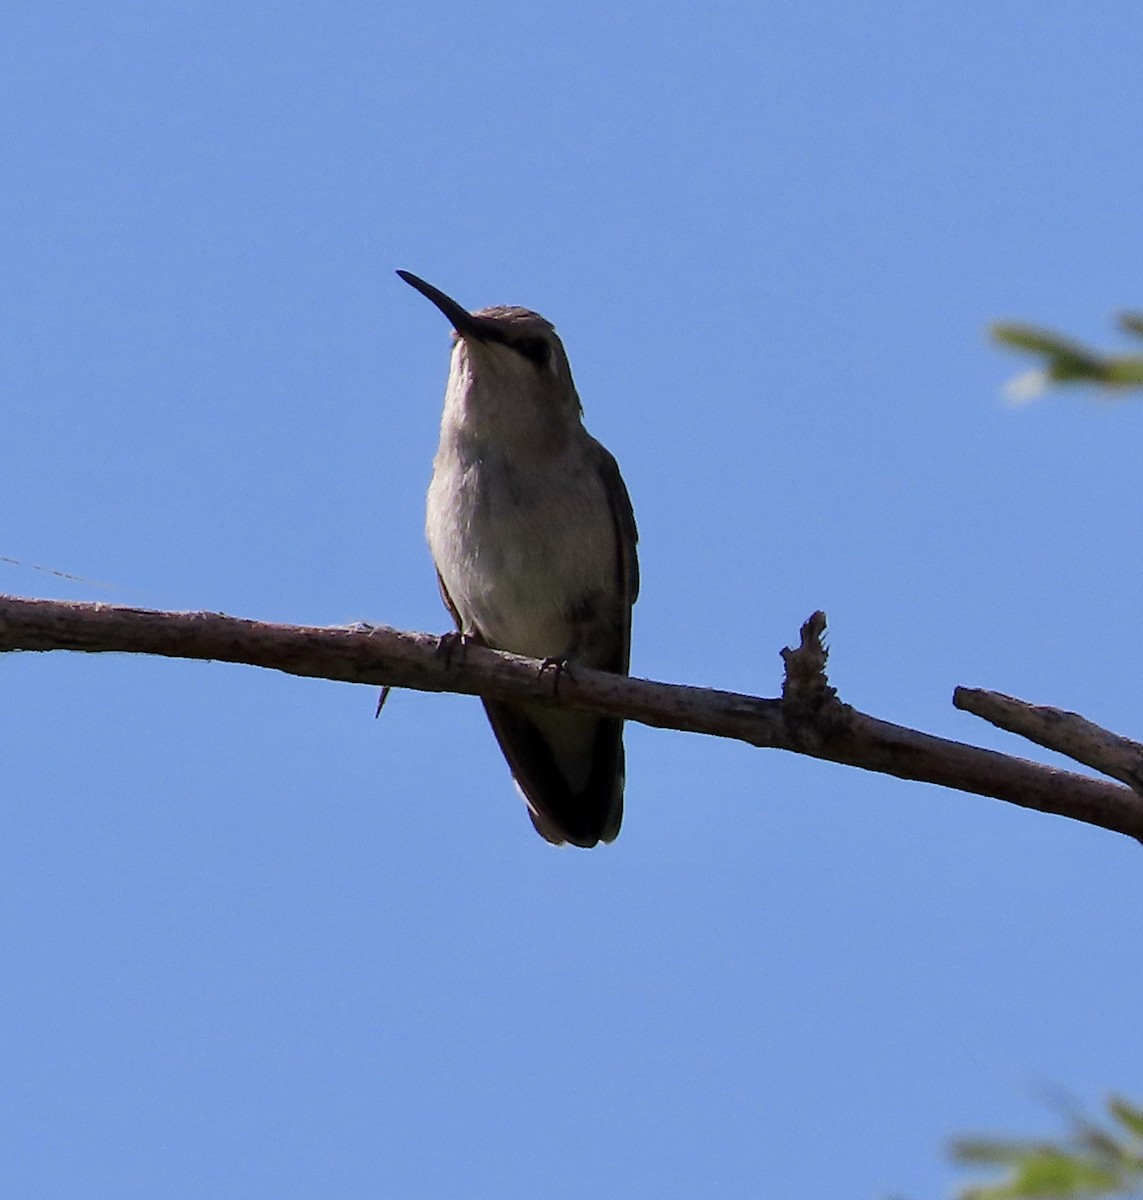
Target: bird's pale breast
[(520, 550)]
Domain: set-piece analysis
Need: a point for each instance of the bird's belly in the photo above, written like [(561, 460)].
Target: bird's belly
[(520, 555)]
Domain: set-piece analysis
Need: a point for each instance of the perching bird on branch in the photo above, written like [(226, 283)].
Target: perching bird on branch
[(533, 536)]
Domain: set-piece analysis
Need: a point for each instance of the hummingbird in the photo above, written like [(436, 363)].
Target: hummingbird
[(533, 538)]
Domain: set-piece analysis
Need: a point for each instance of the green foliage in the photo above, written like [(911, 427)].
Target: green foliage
[(1068, 361), (1091, 1161)]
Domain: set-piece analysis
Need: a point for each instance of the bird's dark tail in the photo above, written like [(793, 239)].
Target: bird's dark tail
[(570, 767)]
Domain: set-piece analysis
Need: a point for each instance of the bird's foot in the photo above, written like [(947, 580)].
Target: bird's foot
[(452, 643), (559, 665)]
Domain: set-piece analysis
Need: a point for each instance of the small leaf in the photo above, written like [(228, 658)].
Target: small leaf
[(1067, 360), (1059, 1174), (1029, 337), (995, 1151), (1125, 370), (1131, 322), (1130, 1117)]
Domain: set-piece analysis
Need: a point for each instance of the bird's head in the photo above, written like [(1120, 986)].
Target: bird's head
[(513, 351)]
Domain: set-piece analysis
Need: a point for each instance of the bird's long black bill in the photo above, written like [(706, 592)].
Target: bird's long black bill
[(462, 320)]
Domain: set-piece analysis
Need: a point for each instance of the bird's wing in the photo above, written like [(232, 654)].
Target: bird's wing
[(448, 603), (626, 537)]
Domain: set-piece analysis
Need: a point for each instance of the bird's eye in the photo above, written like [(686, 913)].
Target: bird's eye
[(535, 350)]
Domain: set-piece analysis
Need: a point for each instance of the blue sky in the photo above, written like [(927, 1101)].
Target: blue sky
[(253, 942)]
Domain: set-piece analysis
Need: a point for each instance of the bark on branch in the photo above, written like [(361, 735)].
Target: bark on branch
[(808, 718)]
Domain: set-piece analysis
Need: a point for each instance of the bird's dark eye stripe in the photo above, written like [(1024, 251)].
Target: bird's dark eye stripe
[(535, 349)]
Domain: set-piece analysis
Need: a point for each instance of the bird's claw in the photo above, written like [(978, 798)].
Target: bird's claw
[(448, 645), (560, 665)]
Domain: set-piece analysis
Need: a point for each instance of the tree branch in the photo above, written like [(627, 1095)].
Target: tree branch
[(808, 719), (1066, 732)]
